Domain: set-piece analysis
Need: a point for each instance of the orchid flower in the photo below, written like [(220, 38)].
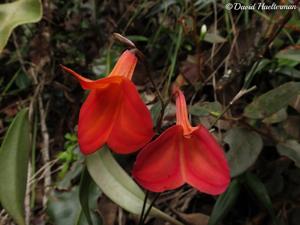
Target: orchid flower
[(182, 154), (113, 113)]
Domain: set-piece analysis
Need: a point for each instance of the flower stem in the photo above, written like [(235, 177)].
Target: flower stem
[(149, 208), (144, 208)]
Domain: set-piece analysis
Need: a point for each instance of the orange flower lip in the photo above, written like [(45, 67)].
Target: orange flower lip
[(183, 154), (113, 113), (181, 113)]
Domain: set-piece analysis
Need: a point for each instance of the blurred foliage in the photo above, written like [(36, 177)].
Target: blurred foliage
[(244, 149), (16, 13), (64, 207), (69, 155)]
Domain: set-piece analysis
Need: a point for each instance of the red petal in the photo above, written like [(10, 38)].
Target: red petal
[(205, 166), (124, 68), (97, 116), (133, 127), (157, 167), (125, 65), (90, 84)]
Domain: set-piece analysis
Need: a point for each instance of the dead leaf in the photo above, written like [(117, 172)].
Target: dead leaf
[(296, 103), (291, 126), (180, 81), (192, 68), (195, 218), (10, 110), (108, 210)]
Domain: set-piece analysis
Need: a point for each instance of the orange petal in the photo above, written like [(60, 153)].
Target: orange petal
[(125, 65), (157, 167), (90, 84), (181, 112), (205, 166), (124, 68), (97, 116), (133, 127)]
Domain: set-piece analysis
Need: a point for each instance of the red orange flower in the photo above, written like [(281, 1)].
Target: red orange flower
[(113, 112), (182, 154)]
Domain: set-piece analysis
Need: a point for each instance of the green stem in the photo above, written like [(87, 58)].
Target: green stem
[(150, 207), (240, 94), (174, 58), (141, 221)]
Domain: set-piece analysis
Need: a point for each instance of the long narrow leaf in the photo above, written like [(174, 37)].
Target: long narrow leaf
[(14, 158), (260, 191), (84, 189), (225, 203)]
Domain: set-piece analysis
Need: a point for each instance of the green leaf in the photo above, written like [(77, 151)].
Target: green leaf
[(14, 156), (288, 71), (86, 186), (260, 191), (155, 112), (65, 182), (17, 13), (290, 149), (83, 221), (277, 117), (256, 68), (206, 108), (64, 207), (272, 101), (291, 54), (89, 194), (245, 146), (23, 81), (118, 185), (224, 203), (137, 38)]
